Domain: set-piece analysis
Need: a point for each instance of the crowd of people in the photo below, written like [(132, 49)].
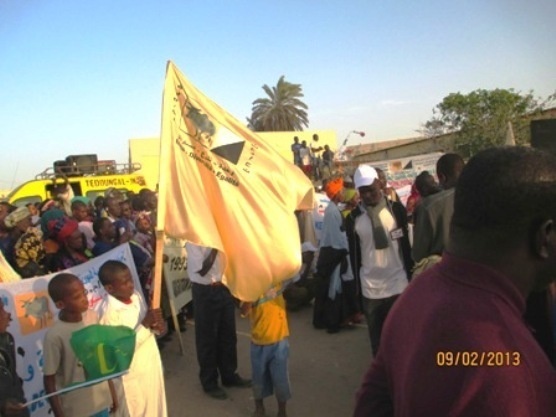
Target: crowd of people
[(461, 339), (69, 230), (61, 233), (460, 319), (365, 255), (315, 161), (475, 332)]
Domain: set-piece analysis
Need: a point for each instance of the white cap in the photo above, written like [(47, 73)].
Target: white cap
[(364, 175)]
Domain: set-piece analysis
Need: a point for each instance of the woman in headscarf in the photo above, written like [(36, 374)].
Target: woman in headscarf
[(50, 245), (412, 201), (335, 293), (73, 250), (28, 254), (145, 232), (351, 200)]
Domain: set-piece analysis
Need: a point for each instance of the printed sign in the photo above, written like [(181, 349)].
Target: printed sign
[(175, 272), (33, 312)]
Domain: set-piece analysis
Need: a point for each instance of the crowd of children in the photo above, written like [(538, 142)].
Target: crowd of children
[(59, 234), (140, 392)]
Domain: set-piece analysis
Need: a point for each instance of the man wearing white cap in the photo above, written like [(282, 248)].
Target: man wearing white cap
[(379, 250)]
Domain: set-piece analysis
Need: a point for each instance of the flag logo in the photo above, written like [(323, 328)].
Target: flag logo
[(223, 187)]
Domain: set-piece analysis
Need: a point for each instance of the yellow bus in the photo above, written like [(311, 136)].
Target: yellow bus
[(121, 177)]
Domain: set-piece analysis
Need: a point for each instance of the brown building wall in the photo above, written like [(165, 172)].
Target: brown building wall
[(443, 143)]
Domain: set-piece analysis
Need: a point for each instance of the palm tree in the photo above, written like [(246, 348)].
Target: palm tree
[(281, 111)]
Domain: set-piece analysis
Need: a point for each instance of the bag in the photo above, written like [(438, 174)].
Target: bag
[(104, 350)]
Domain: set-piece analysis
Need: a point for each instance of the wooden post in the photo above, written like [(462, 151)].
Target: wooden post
[(158, 264)]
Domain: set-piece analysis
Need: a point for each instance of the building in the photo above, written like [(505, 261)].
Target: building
[(405, 148)]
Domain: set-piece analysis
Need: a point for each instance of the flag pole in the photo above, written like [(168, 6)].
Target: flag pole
[(158, 264), (75, 386), (160, 212)]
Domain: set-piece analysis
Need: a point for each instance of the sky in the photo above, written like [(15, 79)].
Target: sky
[(82, 77)]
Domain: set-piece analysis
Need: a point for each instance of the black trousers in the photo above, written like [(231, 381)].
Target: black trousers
[(327, 313), (215, 334), (376, 311), (330, 314)]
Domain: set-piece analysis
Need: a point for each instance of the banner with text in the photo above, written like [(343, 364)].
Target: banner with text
[(33, 312), (175, 272)]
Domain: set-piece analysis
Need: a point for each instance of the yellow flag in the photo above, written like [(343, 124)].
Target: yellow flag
[(222, 186)]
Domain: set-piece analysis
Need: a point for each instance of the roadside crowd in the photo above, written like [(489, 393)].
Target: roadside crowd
[(463, 321)]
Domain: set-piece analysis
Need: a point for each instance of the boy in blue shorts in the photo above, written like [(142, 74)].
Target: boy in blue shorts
[(269, 349)]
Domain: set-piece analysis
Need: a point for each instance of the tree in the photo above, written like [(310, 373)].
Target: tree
[(281, 111), (480, 119)]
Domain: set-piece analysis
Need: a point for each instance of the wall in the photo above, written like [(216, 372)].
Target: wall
[(442, 144), (146, 151)]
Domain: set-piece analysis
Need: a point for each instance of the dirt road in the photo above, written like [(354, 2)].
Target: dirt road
[(325, 372)]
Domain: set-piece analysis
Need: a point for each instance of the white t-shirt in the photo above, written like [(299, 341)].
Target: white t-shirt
[(305, 155), (382, 272), (60, 360), (195, 256)]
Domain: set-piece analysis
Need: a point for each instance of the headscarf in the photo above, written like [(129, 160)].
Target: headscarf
[(49, 215), (333, 187), (16, 216), (412, 200), (114, 193), (62, 228), (349, 194), (142, 215), (29, 248)]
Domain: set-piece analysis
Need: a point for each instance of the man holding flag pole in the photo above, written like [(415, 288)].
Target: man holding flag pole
[(222, 187), (215, 323)]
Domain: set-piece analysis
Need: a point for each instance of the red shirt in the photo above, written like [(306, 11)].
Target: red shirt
[(455, 344)]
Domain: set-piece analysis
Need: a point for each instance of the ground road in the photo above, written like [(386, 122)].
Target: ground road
[(325, 371)]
